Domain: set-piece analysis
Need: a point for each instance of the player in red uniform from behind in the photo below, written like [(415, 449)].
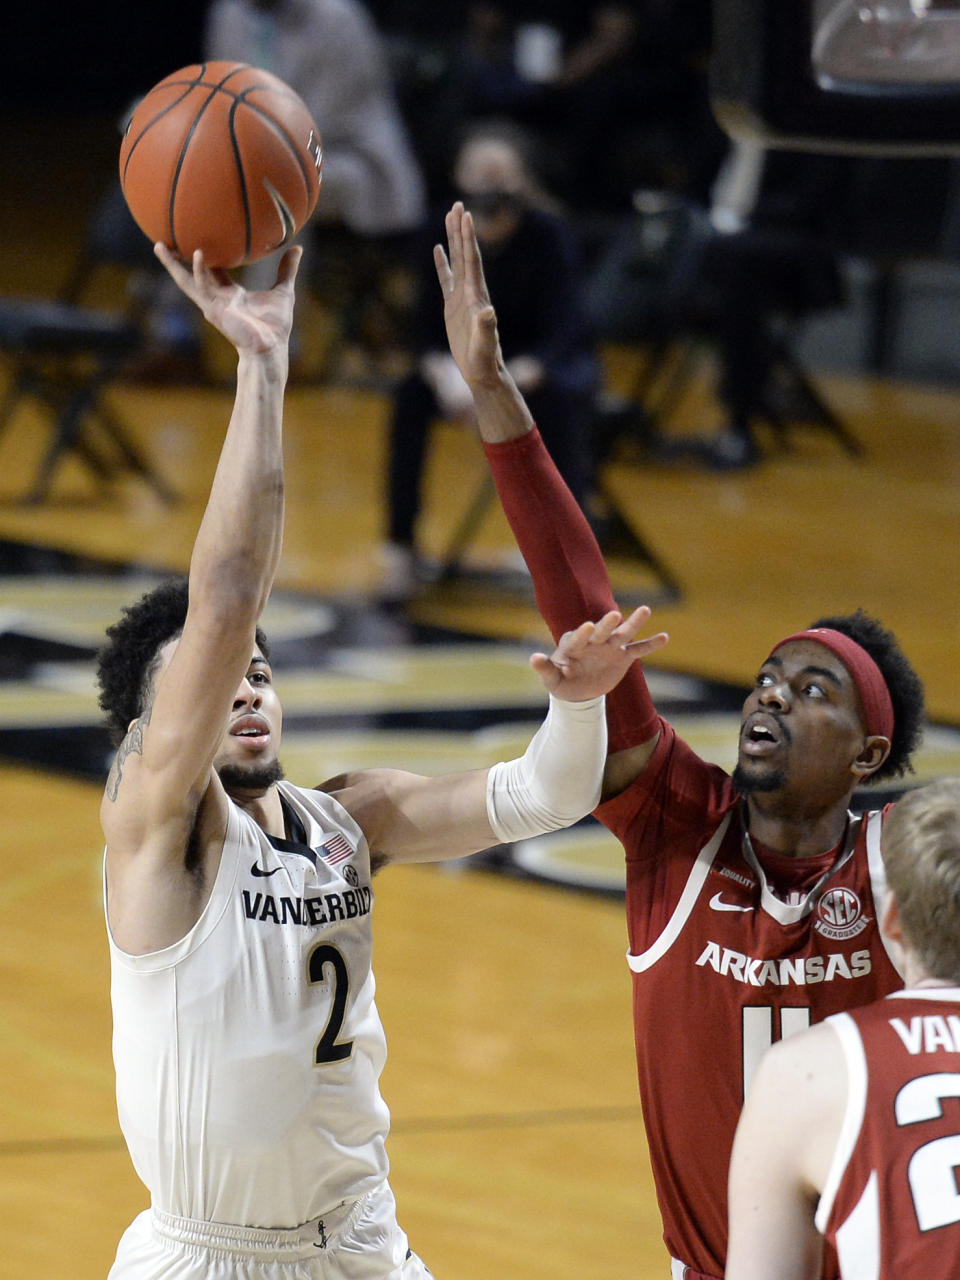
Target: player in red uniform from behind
[(752, 901), (853, 1128)]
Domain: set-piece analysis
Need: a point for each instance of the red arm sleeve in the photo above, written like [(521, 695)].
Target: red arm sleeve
[(569, 576)]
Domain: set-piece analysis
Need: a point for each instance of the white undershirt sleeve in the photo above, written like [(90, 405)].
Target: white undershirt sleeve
[(558, 778)]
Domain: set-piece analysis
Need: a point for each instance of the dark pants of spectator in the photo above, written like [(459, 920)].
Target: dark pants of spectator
[(758, 275), (563, 418)]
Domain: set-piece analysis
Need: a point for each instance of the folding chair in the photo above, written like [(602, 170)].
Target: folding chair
[(63, 354), (618, 537), (649, 288)]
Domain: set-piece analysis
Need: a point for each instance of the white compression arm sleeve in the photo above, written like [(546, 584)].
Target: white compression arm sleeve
[(557, 780)]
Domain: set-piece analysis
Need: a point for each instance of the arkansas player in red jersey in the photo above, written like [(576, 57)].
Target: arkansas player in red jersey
[(752, 900), (852, 1130)]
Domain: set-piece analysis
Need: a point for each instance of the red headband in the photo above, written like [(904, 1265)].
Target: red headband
[(874, 694)]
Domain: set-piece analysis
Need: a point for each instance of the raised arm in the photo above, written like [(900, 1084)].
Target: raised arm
[(164, 768), (410, 818), (569, 576)]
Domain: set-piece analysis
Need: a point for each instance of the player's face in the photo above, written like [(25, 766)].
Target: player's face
[(248, 753), (802, 726), (248, 756)]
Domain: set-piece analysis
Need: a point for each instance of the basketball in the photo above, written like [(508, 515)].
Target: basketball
[(221, 157)]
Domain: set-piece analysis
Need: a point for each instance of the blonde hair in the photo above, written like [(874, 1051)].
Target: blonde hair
[(921, 850)]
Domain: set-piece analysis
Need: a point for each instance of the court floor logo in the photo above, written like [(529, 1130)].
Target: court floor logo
[(840, 915)]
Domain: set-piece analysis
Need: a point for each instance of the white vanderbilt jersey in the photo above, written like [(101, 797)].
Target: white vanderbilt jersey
[(248, 1054)]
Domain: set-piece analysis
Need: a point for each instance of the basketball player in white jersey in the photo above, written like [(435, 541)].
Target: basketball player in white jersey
[(247, 1044), (851, 1131)]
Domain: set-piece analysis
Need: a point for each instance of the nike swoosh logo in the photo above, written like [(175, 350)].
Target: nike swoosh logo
[(288, 226), (718, 904), (258, 871)]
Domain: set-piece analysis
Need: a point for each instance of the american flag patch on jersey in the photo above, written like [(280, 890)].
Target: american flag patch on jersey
[(336, 849)]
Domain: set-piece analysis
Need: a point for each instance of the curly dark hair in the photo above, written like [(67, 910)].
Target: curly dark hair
[(903, 683), (125, 663)]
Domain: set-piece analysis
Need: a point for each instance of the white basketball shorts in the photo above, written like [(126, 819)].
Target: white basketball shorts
[(361, 1241)]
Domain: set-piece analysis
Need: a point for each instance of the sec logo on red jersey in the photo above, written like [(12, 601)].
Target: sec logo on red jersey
[(839, 914)]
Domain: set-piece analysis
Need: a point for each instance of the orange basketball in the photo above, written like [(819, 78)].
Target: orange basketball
[(221, 157)]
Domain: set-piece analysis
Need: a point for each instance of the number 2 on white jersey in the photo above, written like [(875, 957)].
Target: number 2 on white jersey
[(932, 1171)]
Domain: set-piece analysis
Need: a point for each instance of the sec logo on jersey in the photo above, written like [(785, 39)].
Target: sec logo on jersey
[(839, 915)]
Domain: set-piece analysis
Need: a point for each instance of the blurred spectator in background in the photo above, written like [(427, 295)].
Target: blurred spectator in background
[(331, 53), (624, 93), (373, 197), (532, 263), (615, 91), (770, 260), (740, 273)]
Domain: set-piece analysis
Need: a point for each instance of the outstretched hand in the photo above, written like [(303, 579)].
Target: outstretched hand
[(594, 659), (255, 322), (468, 313)]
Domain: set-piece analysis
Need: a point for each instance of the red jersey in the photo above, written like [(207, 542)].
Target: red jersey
[(731, 947), (890, 1204)]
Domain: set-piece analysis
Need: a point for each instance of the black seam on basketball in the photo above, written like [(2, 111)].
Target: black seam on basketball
[(150, 123), (176, 173), (244, 193), (274, 87), (234, 71), (305, 170)]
